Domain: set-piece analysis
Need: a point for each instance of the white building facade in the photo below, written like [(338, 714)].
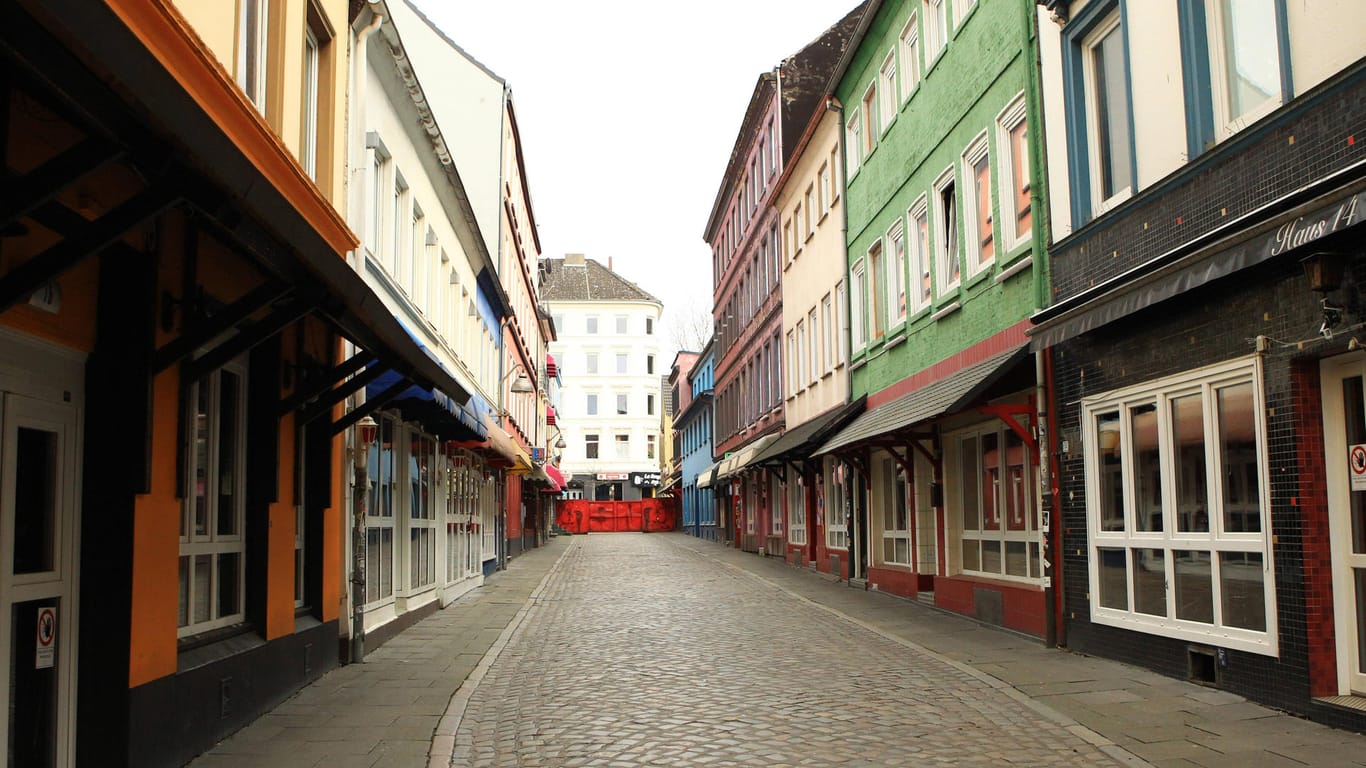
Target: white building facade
[(608, 350), (425, 514)]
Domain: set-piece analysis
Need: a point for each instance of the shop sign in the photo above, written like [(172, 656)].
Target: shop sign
[(1307, 229), (645, 479), (614, 476)]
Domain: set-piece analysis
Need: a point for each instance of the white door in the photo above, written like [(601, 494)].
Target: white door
[(38, 502), (1344, 434)]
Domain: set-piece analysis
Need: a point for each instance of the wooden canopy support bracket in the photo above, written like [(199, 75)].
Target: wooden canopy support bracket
[(42, 185), (370, 406), (252, 302), (918, 443), (328, 400), (87, 240), (1009, 414), (357, 362), (246, 339)]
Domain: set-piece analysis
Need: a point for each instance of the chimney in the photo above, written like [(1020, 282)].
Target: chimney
[(609, 264), (573, 259)]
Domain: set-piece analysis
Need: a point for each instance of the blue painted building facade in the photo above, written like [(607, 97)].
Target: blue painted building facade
[(694, 426)]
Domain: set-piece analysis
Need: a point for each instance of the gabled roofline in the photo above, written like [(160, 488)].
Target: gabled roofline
[(453, 44)]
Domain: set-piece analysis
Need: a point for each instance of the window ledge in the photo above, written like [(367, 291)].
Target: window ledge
[(857, 364), (1013, 270), (895, 341), (946, 311), (206, 648)]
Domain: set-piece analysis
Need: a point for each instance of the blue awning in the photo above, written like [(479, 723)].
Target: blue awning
[(435, 410)]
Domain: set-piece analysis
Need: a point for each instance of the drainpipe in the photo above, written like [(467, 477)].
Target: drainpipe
[(1047, 433), (360, 471)]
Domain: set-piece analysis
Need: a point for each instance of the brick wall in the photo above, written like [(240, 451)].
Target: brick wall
[(1207, 325), (1322, 132)]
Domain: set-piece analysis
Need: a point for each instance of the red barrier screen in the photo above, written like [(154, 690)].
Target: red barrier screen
[(585, 516)]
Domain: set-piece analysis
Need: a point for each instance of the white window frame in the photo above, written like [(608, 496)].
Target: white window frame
[(869, 128), (887, 475), (936, 15), (946, 237), (841, 301), (823, 190), (622, 444), (308, 147), (836, 181), (810, 202), (622, 324), (593, 439), (253, 46), (796, 508), (792, 378), (909, 46), (382, 517), (895, 259), (211, 543), (977, 151), (813, 347), (623, 404), (853, 142), (960, 10), (590, 403), (803, 364), (875, 295), (1008, 230), (590, 362), (1001, 535), (887, 91), (420, 522), (1100, 203), (836, 532), (827, 335), (921, 255), (1204, 381), (1226, 123), (857, 298)]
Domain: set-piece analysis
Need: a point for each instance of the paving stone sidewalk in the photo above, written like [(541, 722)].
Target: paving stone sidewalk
[(383, 713), (1167, 722), (387, 711)]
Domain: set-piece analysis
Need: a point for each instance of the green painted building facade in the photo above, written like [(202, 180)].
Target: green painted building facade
[(946, 226)]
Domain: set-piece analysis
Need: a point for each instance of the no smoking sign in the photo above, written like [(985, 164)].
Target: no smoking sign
[(47, 638), (1356, 465)]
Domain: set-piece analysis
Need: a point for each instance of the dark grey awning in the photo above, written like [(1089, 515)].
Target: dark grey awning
[(1172, 274), (802, 438), (951, 393)]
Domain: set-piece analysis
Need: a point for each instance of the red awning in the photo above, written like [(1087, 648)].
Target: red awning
[(556, 479), (551, 369), (550, 415)]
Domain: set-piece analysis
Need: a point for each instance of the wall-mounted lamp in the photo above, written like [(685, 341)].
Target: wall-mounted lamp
[(560, 444), (1323, 270)]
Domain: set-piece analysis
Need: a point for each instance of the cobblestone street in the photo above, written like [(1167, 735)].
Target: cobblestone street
[(640, 652)]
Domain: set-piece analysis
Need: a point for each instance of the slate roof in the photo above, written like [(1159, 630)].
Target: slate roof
[(590, 282)]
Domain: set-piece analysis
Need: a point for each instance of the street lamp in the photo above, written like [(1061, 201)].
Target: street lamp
[(522, 384)]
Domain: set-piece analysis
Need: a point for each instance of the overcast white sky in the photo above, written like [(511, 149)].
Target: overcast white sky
[(628, 111)]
